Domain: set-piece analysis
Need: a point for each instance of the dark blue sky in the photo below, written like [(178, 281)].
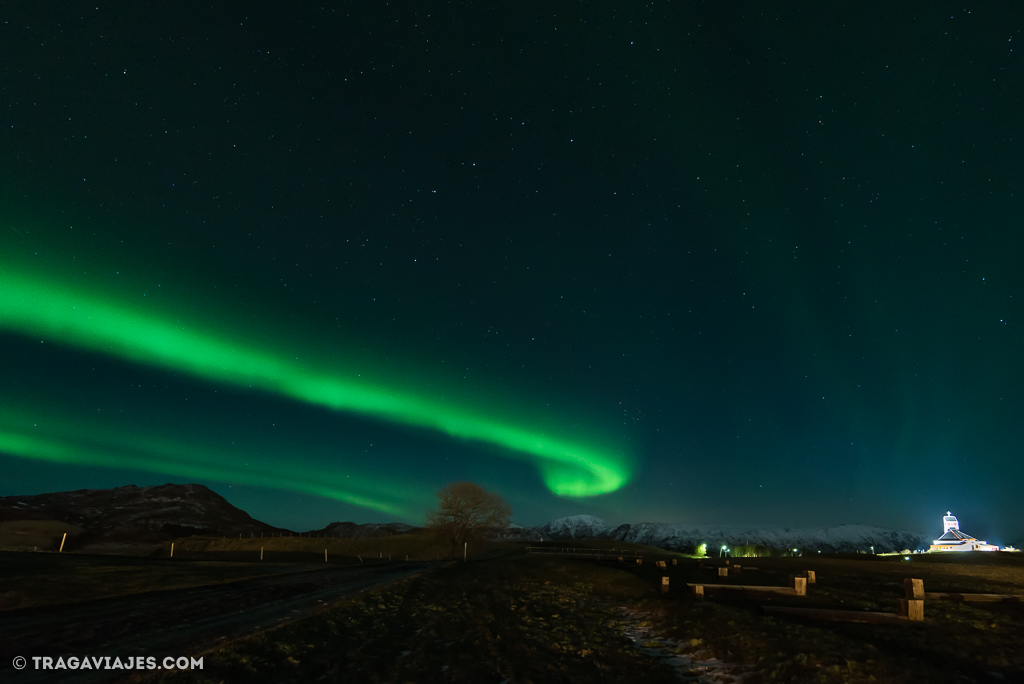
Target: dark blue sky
[(768, 260)]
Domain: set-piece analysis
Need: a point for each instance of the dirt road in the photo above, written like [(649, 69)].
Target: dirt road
[(183, 622)]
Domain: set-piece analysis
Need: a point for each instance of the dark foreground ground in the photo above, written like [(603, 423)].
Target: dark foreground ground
[(520, 618)]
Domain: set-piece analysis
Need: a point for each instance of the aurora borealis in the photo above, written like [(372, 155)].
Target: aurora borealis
[(61, 312), (656, 262)]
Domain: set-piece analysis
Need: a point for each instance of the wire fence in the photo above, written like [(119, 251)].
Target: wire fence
[(571, 552)]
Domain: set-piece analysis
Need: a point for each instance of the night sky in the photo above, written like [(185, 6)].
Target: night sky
[(676, 261)]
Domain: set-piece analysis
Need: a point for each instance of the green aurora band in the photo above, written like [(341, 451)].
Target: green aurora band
[(78, 445), (104, 323)]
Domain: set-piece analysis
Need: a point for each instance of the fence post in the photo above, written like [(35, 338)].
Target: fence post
[(664, 585), (912, 609), (914, 588)]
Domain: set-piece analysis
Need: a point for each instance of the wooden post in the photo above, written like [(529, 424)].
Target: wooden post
[(914, 588), (912, 609), (62, 539), (675, 561), (735, 570), (811, 578), (620, 559), (172, 549), (261, 553), (325, 555), (723, 572), (698, 591), (660, 564), (465, 550), (799, 584), (664, 585), (639, 561)]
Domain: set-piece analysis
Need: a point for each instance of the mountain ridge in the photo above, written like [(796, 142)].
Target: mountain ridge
[(846, 538), (166, 512)]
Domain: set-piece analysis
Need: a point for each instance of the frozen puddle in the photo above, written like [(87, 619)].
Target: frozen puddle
[(711, 671)]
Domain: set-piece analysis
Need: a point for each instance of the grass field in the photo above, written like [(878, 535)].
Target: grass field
[(46, 535), (533, 618), (37, 579), (40, 579), (521, 618)]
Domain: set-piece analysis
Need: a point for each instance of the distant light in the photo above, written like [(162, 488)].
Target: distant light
[(906, 558)]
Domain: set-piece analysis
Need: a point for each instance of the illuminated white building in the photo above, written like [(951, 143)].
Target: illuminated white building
[(953, 539)]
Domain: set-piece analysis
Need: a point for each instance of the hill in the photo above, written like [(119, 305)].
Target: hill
[(137, 514)]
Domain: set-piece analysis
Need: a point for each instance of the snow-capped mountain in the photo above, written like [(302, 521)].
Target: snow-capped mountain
[(515, 533), (351, 529), (573, 527), (680, 537)]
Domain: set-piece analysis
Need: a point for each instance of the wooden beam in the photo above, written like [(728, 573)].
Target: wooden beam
[(1009, 598), (836, 615), (748, 588)]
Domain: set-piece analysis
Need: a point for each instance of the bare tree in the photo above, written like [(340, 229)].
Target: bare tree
[(466, 511)]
